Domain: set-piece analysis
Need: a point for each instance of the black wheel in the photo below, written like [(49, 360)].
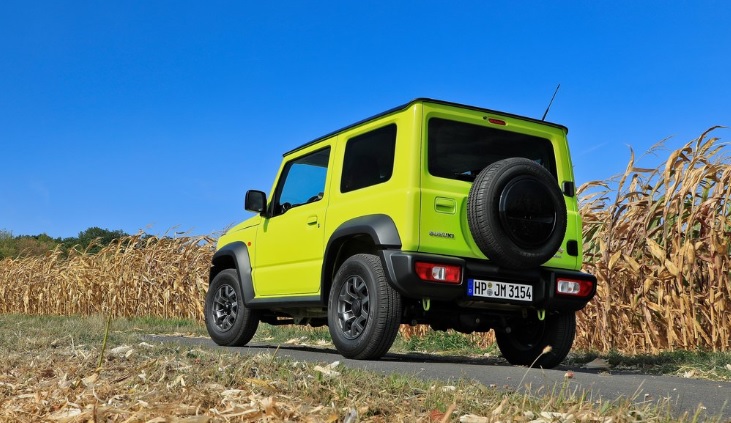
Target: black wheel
[(364, 312), (516, 213), (228, 320), (526, 342)]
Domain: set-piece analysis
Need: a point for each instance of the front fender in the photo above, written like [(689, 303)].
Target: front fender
[(235, 255)]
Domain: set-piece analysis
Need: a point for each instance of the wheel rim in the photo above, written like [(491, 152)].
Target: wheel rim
[(527, 212), (528, 337), (225, 308), (353, 307)]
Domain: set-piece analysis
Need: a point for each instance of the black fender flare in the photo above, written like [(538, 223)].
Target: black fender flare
[(235, 255), (380, 228)]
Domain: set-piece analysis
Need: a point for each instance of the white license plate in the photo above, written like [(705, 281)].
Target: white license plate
[(502, 290)]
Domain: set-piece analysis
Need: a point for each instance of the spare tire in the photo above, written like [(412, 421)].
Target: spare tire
[(516, 213)]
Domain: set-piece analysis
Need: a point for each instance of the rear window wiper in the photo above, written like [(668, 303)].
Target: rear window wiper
[(465, 176)]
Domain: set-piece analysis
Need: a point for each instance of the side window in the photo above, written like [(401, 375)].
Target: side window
[(369, 159), (303, 181)]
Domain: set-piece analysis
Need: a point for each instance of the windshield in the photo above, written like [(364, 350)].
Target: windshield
[(460, 150)]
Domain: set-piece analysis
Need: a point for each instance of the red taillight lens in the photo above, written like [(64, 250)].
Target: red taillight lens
[(574, 287), (434, 272), (496, 121)]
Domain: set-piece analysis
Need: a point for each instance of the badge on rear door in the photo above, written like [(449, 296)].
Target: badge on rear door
[(441, 234)]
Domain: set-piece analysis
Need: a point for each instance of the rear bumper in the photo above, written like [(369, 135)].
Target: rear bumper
[(403, 278)]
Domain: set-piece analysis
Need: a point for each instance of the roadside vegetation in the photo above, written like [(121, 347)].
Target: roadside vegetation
[(659, 242), (67, 369), (90, 241), (658, 239)]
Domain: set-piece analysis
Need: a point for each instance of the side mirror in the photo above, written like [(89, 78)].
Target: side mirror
[(256, 201)]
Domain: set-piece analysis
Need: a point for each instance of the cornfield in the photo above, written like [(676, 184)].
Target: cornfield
[(657, 240), (659, 245), (135, 276)]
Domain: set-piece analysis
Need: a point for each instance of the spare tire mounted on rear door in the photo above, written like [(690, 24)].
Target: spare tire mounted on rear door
[(516, 213)]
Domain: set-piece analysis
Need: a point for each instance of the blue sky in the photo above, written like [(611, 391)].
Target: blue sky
[(158, 115)]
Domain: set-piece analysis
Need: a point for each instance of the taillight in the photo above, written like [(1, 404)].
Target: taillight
[(446, 273), (574, 287)]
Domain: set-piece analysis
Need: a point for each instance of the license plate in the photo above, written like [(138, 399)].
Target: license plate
[(502, 290)]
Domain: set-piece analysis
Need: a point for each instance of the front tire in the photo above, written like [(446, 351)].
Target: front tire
[(364, 312), (524, 345), (228, 320)]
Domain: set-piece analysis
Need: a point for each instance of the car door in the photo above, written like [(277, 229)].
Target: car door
[(290, 243)]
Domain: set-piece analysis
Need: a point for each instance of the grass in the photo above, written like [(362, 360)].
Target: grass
[(49, 371), (693, 364)]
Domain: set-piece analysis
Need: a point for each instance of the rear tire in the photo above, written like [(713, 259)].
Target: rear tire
[(524, 345), (364, 312), (228, 320)]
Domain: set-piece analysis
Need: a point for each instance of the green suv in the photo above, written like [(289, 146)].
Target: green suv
[(431, 213)]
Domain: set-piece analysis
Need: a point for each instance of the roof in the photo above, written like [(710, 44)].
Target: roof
[(422, 100)]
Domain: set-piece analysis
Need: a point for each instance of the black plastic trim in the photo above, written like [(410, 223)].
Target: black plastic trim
[(239, 253), (568, 188), (287, 302), (401, 272), (403, 278), (379, 227)]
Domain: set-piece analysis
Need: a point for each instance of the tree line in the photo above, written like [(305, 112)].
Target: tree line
[(38, 245)]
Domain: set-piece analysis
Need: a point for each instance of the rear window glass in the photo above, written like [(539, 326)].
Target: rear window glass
[(458, 150)]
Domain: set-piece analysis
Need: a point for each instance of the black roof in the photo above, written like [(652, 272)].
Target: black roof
[(422, 100)]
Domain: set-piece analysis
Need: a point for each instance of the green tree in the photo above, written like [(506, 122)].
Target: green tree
[(7, 245), (35, 245), (98, 236), (25, 245)]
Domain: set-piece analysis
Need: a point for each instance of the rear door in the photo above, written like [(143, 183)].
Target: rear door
[(459, 145)]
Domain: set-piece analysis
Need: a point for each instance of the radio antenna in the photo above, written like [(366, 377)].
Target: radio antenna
[(551, 102)]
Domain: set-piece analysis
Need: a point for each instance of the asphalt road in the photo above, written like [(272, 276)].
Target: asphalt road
[(683, 394)]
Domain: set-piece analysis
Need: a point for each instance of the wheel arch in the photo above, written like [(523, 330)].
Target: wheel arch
[(364, 234), (234, 256)]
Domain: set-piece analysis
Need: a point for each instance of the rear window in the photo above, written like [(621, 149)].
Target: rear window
[(459, 150)]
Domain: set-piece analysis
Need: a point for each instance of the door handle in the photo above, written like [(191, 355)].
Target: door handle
[(445, 205), (312, 220)]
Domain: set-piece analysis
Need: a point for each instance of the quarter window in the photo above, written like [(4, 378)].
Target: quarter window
[(369, 159)]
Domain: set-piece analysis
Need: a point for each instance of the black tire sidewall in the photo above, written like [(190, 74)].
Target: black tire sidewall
[(557, 330), (246, 321), (484, 220), (379, 333)]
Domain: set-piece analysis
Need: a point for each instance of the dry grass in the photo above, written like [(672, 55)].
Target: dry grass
[(50, 372), (657, 239)]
